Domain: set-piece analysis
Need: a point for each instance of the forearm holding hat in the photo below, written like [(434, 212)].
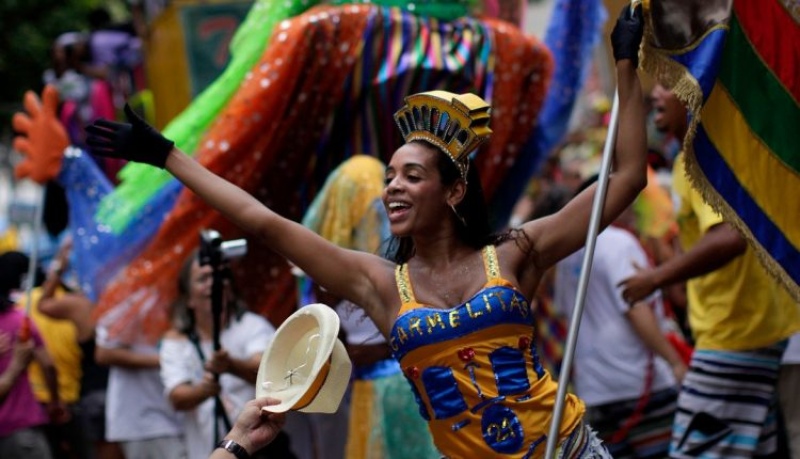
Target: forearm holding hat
[(254, 429)]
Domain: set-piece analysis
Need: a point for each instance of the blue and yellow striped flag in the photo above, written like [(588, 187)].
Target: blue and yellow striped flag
[(736, 64)]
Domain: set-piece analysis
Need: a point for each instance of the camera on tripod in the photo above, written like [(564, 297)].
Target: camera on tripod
[(214, 251)]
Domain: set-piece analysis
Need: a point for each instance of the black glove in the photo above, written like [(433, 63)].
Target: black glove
[(627, 34), (134, 141)]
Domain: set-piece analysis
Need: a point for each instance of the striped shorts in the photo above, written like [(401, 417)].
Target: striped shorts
[(649, 438), (582, 443), (727, 405)]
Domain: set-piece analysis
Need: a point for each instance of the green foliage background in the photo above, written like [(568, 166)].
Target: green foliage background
[(27, 30)]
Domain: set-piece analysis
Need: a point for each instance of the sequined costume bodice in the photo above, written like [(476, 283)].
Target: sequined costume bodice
[(475, 371)]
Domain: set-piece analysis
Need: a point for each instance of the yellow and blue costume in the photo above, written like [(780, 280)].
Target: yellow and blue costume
[(475, 371)]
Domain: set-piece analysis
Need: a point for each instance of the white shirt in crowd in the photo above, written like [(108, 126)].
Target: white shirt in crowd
[(610, 359), (136, 408), (180, 363)]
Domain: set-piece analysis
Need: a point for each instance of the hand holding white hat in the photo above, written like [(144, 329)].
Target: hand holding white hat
[(305, 367), (255, 428)]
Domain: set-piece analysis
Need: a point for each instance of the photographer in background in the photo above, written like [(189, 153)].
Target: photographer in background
[(197, 377)]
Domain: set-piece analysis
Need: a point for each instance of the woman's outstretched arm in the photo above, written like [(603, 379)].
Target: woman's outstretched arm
[(348, 274), (562, 233), (344, 272)]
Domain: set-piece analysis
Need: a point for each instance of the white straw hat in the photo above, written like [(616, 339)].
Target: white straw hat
[(306, 367)]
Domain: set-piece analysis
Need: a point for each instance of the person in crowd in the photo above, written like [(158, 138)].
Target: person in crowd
[(788, 384), (115, 55), (68, 439), (62, 300), (21, 416), (195, 376), (138, 415), (739, 316), (625, 369), (84, 96), (454, 302)]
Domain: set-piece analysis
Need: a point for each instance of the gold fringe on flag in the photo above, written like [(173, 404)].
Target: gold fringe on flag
[(658, 63)]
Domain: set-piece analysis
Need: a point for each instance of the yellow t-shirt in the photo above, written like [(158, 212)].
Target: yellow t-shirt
[(739, 306), (61, 341), (9, 240)]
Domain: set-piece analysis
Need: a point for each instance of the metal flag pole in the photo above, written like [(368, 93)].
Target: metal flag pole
[(591, 239), (24, 333)]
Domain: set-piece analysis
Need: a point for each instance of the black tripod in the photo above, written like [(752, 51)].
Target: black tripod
[(214, 252), (217, 293), (220, 416), (217, 299)]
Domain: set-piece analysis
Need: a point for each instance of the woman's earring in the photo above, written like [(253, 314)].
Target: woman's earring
[(460, 218)]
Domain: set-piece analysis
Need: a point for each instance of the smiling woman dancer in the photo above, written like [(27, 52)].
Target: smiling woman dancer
[(454, 303)]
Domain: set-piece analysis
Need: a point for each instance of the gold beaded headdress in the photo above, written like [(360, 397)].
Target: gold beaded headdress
[(456, 124)]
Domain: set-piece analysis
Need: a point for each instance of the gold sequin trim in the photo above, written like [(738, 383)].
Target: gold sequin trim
[(490, 262), (404, 284)]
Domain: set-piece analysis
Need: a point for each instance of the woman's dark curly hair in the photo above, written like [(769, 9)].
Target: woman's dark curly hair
[(475, 231)]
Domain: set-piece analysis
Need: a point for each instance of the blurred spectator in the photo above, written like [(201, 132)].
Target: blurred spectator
[(137, 412), (84, 97), (115, 55), (189, 363), (62, 301), (617, 345), (740, 318), (67, 440), (789, 394), (21, 415)]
